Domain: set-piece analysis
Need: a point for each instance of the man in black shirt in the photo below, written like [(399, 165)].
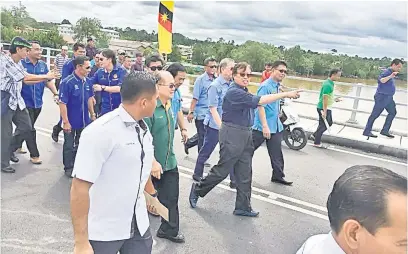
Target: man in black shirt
[(236, 145)]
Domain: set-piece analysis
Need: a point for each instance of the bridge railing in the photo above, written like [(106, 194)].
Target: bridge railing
[(351, 122)]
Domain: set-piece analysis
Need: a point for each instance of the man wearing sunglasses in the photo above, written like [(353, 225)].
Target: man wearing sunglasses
[(114, 161), (154, 64), (236, 141), (199, 103), (76, 104), (267, 125), (166, 176)]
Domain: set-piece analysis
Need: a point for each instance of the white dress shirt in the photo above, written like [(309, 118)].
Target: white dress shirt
[(110, 156), (320, 244)]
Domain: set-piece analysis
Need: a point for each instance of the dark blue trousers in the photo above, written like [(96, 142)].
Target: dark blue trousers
[(381, 102), (210, 142), (70, 147)]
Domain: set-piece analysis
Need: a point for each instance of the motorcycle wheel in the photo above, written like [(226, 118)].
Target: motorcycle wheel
[(296, 139)]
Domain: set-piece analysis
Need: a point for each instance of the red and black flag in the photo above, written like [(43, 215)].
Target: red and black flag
[(165, 31)]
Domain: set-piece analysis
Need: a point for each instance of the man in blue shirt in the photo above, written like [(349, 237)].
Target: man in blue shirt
[(212, 121), (267, 125), (236, 141), (33, 97), (76, 99), (67, 69), (178, 72), (199, 103), (383, 99)]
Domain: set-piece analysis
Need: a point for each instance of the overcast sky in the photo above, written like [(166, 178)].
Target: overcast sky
[(372, 29)]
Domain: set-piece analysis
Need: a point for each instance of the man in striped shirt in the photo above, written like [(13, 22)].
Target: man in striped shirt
[(60, 60)]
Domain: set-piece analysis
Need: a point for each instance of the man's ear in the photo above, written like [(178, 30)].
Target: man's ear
[(353, 233)]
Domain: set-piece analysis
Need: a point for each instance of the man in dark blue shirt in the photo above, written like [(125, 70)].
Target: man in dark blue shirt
[(67, 69), (76, 99), (235, 137), (383, 99), (33, 98)]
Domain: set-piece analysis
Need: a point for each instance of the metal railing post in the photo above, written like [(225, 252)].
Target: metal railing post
[(353, 119), (48, 59)]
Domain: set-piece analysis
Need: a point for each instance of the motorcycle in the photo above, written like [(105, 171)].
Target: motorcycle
[(292, 132)]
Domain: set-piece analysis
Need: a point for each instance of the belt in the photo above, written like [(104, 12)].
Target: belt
[(236, 126)]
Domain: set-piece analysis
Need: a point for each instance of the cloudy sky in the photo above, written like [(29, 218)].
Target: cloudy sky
[(372, 29)]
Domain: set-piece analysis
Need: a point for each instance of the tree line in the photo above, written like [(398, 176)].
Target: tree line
[(300, 61)]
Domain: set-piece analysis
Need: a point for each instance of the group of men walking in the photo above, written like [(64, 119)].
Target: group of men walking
[(128, 147)]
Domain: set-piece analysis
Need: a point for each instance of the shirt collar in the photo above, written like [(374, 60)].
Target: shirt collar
[(273, 82), (27, 61), (222, 80), (126, 118), (160, 104), (208, 76), (331, 245), (115, 68), (77, 77), (330, 81), (240, 87)]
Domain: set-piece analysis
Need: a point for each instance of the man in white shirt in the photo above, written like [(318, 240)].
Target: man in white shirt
[(367, 211), (112, 165)]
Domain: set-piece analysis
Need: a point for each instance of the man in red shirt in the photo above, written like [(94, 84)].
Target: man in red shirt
[(267, 72)]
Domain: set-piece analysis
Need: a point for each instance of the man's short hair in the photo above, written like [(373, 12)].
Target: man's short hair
[(80, 60), (137, 84), (268, 64), (78, 45), (225, 62), (397, 61), (276, 64), (175, 68), (110, 54), (334, 72), (240, 66), (208, 60), (360, 194), (153, 59)]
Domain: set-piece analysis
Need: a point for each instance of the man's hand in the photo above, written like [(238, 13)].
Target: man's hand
[(84, 248), (395, 73), (56, 99), (156, 169), (66, 127), (293, 94), (184, 135), (190, 117), (97, 88), (266, 132), (93, 117), (54, 74)]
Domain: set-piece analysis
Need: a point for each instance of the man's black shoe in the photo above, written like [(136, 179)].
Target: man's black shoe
[(193, 198), (232, 185), (281, 181), (196, 178), (370, 135), (206, 164), (186, 148), (14, 158), (68, 172), (55, 132), (8, 170), (246, 213), (387, 135), (179, 238)]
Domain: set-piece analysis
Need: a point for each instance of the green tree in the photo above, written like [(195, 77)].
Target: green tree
[(87, 27), (175, 55)]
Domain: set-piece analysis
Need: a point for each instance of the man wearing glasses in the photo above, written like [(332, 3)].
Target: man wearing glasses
[(114, 161), (165, 172), (212, 121), (199, 103), (267, 125), (236, 141), (76, 103), (154, 64)]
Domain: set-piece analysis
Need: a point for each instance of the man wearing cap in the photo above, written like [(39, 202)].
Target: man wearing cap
[(59, 62), (138, 65), (13, 108), (33, 97), (90, 48)]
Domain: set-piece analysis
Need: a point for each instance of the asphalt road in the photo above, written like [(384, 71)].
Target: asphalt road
[(35, 201)]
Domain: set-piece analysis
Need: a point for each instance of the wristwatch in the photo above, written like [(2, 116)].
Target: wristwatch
[(103, 88)]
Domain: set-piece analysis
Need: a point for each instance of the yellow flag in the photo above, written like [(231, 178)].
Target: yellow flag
[(165, 31)]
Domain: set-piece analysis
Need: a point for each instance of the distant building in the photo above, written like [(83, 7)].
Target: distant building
[(68, 29), (112, 34), (186, 52), (130, 47)]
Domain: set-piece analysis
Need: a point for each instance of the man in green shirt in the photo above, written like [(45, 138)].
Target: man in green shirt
[(166, 180), (326, 100)]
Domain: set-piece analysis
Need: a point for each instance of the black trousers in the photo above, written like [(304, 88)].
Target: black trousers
[(168, 194), (274, 145), (70, 148), (57, 83), (322, 126), (9, 143), (198, 138), (236, 151), (33, 113)]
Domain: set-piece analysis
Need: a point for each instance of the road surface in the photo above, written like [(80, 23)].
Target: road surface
[(35, 201)]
